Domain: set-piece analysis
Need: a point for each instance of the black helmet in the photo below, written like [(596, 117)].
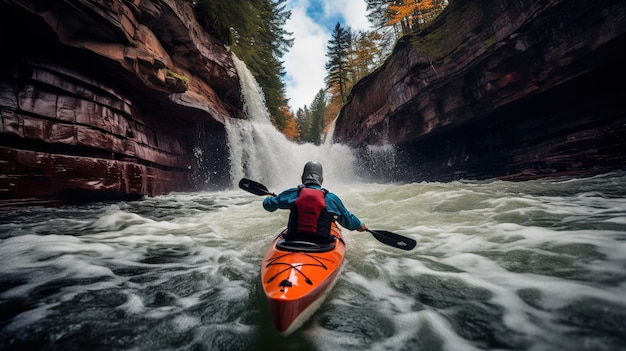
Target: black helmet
[(312, 173)]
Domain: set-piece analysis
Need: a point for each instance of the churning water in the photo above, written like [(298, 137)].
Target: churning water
[(536, 265)]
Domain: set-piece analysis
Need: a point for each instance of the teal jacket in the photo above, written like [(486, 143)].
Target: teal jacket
[(287, 199)]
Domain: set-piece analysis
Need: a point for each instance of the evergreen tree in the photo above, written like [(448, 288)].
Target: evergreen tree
[(338, 51), (303, 120), (378, 12), (254, 29), (318, 110), (274, 16)]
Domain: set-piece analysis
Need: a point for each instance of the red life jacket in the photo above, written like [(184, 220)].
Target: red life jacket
[(309, 220)]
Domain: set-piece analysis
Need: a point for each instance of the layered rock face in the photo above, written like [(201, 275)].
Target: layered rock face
[(113, 99), (108, 99), (498, 89)]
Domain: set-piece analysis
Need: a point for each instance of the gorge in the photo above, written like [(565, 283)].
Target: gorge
[(121, 99), (499, 89)]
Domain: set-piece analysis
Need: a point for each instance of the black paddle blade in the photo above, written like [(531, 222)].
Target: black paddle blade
[(253, 187), (393, 239)]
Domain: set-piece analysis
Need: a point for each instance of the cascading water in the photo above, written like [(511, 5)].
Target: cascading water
[(257, 150), (328, 138)]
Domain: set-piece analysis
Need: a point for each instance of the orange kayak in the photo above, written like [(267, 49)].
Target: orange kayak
[(296, 275)]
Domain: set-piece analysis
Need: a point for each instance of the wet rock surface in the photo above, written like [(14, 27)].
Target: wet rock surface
[(111, 99), (494, 89)]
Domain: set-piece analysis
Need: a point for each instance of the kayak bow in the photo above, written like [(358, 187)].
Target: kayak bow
[(297, 275)]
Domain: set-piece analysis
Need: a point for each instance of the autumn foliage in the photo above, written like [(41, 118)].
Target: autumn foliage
[(411, 14), (291, 128)]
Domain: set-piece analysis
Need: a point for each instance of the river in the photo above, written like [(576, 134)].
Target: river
[(535, 265)]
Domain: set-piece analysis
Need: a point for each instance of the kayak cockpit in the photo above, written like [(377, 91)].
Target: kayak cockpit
[(303, 246)]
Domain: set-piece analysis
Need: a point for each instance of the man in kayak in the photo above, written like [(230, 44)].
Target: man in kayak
[(312, 208)]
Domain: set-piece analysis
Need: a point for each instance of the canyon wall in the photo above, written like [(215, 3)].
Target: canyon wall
[(105, 99), (497, 89), (111, 99)]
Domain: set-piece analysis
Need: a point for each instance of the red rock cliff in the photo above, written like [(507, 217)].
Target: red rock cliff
[(498, 88), (106, 99)]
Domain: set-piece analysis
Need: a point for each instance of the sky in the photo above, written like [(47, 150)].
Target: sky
[(312, 23)]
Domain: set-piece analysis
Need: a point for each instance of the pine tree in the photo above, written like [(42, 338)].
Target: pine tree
[(303, 120), (318, 110), (338, 51), (275, 15), (254, 29), (377, 12)]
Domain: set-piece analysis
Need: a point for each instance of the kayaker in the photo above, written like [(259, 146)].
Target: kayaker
[(312, 208)]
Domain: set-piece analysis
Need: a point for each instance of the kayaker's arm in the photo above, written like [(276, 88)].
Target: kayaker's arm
[(284, 200), (345, 218), (270, 203)]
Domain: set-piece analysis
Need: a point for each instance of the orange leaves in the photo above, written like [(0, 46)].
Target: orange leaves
[(290, 129), (411, 13), (399, 12)]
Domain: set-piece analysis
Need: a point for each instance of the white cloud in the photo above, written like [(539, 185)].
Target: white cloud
[(354, 12), (305, 62)]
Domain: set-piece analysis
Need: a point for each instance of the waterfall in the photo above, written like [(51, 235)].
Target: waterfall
[(257, 150), (328, 139)]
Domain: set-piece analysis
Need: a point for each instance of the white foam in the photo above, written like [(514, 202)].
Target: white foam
[(208, 247), (134, 304), (183, 323)]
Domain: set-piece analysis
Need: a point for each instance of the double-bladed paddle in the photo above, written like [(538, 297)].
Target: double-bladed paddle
[(393, 239), (253, 187), (385, 237)]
